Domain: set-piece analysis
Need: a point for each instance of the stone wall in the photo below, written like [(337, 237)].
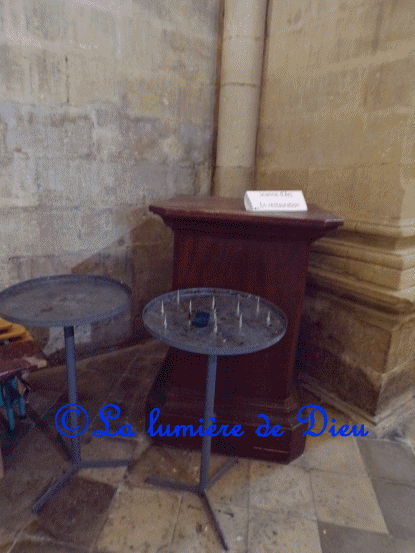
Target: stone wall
[(337, 121), (105, 106)]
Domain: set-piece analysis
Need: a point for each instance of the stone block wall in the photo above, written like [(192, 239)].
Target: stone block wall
[(337, 121), (105, 107), (338, 100)]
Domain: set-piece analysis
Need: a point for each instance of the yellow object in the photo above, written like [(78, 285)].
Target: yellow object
[(9, 331), (4, 325)]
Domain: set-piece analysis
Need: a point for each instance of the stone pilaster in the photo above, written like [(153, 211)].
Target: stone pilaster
[(358, 328), (241, 73), (337, 121)]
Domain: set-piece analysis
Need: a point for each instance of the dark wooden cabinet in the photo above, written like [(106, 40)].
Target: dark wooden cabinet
[(219, 244)]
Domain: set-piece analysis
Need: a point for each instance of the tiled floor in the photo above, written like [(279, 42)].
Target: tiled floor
[(344, 495)]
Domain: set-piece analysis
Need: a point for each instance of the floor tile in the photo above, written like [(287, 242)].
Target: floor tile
[(10, 440), (283, 489), (347, 500), (165, 462), (99, 448), (339, 454), (140, 520), (140, 376), (41, 450), (408, 434), (113, 365), (48, 382), (136, 413), (130, 415), (340, 419), (397, 502), (300, 462), (126, 388), (92, 383), (6, 542), (273, 533), (339, 539), (53, 418), (151, 351), (49, 418), (75, 512), (232, 488), (142, 443), (19, 489), (92, 387), (195, 533), (28, 546), (325, 451), (389, 460), (8, 538), (112, 417)]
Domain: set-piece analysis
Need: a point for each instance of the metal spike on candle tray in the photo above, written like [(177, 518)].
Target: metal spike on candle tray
[(237, 308), (165, 321), (213, 302), (240, 321), (190, 307), (215, 328), (269, 318), (257, 305), (178, 297), (162, 307)]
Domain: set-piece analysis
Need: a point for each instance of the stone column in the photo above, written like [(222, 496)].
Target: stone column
[(337, 120), (241, 72)]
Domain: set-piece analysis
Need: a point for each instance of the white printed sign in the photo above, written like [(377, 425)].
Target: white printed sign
[(275, 200)]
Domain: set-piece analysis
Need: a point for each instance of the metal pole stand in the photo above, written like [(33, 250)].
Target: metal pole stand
[(77, 463), (203, 485)]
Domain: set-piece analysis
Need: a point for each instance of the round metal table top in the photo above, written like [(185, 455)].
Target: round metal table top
[(64, 300), (214, 321)]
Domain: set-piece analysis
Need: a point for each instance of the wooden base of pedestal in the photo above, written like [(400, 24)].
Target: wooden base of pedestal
[(180, 405)]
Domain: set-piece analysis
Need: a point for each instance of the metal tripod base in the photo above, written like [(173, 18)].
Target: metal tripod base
[(201, 492), (203, 485), (77, 463), (72, 470)]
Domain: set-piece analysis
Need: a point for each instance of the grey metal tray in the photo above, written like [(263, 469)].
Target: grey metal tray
[(64, 300), (167, 319)]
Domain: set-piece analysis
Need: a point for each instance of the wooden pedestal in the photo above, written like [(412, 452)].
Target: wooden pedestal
[(219, 244)]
